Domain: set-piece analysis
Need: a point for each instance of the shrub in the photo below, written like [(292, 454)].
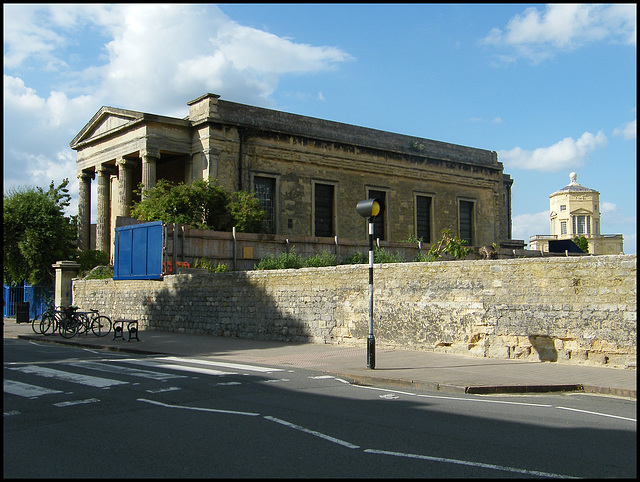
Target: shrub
[(320, 260), (210, 265)]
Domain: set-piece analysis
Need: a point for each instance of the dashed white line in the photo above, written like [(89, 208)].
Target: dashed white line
[(598, 413), (312, 432), (231, 412), (469, 463)]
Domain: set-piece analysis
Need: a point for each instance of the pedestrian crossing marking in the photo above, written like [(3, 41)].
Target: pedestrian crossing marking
[(171, 366), (235, 366), (26, 390), (69, 377), (135, 372)]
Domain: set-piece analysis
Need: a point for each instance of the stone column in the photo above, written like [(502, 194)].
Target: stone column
[(149, 160), (84, 210), (103, 223), (125, 186), (65, 272)]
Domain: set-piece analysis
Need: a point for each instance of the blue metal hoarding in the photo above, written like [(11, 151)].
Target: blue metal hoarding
[(138, 251)]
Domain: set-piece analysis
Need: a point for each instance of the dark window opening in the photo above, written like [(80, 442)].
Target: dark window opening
[(466, 222), (378, 222), (423, 218), (323, 210), (265, 188)]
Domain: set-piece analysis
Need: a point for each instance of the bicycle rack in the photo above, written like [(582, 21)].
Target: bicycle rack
[(132, 329)]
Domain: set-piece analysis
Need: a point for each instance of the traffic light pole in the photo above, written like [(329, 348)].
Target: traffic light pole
[(371, 343)]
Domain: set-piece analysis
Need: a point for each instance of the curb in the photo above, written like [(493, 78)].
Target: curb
[(391, 383)]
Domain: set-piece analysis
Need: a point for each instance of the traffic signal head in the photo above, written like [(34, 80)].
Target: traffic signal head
[(369, 208)]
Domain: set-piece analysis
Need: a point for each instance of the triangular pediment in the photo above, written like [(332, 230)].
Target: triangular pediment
[(107, 120), (581, 211)]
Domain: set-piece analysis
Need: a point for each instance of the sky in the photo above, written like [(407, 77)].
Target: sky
[(550, 88)]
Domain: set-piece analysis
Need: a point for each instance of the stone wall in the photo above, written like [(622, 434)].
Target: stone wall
[(570, 310)]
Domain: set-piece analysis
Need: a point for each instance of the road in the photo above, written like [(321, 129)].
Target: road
[(73, 412)]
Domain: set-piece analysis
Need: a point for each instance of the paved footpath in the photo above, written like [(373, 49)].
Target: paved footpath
[(393, 367)]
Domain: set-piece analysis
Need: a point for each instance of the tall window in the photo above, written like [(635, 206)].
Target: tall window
[(423, 218), (265, 188), (323, 210), (582, 225), (563, 227), (466, 222), (378, 223)]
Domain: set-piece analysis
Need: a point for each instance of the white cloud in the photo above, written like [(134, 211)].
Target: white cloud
[(526, 225), (607, 207), (628, 131), (537, 35), (153, 58), (565, 154)]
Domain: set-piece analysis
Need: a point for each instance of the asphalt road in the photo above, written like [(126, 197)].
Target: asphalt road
[(72, 412)]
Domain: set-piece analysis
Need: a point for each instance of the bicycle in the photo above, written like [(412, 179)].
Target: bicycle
[(65, 320), (45, 321), (92, 320)]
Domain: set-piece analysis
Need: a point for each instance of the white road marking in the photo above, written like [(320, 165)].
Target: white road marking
[(172, 366), (76, 402), (471, 464), (234, 366), (162, 390), (69, 377), (598, 413), (135, 372), (26, 390), (312, 432), (231, 412)]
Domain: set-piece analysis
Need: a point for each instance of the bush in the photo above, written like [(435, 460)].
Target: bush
[(320, 260), (100, 272), (210, 265), (283, 261)]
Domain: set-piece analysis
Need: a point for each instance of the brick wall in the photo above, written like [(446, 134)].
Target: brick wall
[(570, 310)]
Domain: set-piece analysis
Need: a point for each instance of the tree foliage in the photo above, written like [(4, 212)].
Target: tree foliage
[(582, 243), (201, 204), (36, 233)]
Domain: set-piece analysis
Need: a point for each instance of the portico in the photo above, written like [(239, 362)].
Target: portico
[(123, 149)]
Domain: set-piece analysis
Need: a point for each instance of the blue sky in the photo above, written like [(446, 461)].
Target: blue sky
[(551, 88)]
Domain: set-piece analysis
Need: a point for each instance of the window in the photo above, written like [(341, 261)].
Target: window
[(378, 222), (323, 210), (563, 207), (466, 222), (563, 227), (423, 218), (265, 188), (582, 225)]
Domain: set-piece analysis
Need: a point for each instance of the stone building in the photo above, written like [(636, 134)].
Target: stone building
[(575, 211), (309, 173)]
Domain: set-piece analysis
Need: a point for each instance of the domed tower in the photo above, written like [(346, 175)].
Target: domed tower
[(575, 211)]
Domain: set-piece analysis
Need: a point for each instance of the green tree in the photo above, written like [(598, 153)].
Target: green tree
[(247, 212), (36, 233), (582, 243), (201, 204)]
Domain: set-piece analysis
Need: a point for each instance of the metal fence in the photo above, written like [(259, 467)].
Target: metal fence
[(39, 298)]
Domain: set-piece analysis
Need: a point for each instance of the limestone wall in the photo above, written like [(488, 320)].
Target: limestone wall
[(570, 310)]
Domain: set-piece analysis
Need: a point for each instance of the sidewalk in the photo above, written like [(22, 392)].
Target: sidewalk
[(394, 368)]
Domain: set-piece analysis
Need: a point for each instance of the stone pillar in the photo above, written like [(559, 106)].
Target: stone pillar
[(65, 272), (125, 186), (84, 210), (149, 160), (103, 223)]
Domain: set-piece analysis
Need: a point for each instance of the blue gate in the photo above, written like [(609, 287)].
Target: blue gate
[(39, 297), (138, 251)]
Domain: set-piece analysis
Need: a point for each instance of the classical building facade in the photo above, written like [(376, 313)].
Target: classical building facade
[(575, 211), (309, 173)]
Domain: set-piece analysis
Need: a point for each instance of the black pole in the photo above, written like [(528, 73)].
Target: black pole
[(371, 343)]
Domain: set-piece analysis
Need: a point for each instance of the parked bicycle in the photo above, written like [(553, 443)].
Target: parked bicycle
[(92, 320)]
